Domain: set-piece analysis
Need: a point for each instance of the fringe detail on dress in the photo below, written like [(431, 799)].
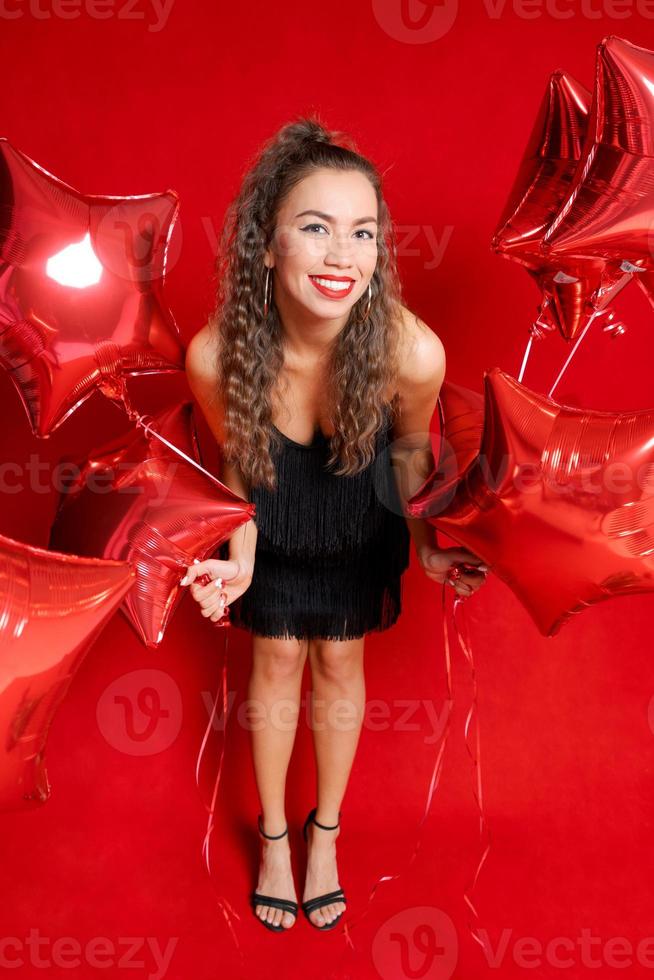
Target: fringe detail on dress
[(315, 513), (330, 550), (326, 600)]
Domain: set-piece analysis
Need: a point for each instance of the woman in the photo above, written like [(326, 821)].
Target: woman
[(308, 362)]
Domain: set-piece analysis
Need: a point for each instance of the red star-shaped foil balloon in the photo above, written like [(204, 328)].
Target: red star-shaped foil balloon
[(573, 288), (609, 210), (138, 500), (81, 302), (53, 607), (461, 417), (559, 500)]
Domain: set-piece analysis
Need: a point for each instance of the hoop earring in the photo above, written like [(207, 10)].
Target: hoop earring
[(267, 299), (366, 314)]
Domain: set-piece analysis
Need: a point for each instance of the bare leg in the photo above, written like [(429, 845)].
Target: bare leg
[(338, 705), (274, 690)]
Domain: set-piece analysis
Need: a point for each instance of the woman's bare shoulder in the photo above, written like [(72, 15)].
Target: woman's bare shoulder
[(201, 354), (421, 354), (202, 377)]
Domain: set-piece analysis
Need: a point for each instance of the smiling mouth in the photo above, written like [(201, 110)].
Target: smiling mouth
[(336, 287)]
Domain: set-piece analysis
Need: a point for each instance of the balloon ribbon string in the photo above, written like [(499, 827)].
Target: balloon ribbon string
[(226, 908), (525, 358), (572, 353), (351, 922), (146, 423), (464, 643)]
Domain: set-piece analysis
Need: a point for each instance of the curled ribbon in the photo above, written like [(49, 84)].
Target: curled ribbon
[(120, 398), (465, 645), (462, 637), (225, 906)]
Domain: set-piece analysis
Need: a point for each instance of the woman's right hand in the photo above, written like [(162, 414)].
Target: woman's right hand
[(214, 601)]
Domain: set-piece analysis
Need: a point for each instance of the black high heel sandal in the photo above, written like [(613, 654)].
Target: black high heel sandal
[(319, 901), (256, 898)]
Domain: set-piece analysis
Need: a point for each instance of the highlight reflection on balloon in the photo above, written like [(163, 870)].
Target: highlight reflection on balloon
[(81, 300), (136, 499)]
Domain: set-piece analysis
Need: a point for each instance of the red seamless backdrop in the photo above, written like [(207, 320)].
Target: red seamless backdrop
[(119, 98)]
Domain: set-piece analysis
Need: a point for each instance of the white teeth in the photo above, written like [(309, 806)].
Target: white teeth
[(330, 284)]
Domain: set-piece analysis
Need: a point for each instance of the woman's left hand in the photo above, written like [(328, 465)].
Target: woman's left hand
[(440, 565)]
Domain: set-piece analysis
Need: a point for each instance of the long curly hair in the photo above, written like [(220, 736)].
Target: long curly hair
[(249, 344)]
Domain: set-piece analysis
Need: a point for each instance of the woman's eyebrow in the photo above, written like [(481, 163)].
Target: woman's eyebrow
[(328, 217)]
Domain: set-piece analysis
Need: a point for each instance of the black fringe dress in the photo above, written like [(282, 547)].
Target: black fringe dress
[(330, 549)]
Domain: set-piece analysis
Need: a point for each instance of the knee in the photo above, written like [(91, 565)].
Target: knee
[(336, 662), (280, 659)]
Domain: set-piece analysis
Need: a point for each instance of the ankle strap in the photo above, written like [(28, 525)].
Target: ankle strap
[(270, 836), (324, 826)]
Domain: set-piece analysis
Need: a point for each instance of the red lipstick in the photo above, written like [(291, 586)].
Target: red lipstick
[(333, 293)]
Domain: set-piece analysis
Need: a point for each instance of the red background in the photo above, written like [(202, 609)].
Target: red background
[(112, 106)]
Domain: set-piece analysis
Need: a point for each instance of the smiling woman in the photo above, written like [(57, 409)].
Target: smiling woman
[(314, 378)]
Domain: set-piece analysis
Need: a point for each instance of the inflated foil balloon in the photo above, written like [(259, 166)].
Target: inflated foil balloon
[(138, 500), (461, 418), (560, 501), (609, 211), (81, 302), (53, 607), (646, 282), (572, 289)]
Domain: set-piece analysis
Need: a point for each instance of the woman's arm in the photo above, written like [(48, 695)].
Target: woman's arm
[(422, 371), (200, 371)]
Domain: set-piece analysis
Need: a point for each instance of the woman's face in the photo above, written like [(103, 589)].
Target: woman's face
[(324, 248)]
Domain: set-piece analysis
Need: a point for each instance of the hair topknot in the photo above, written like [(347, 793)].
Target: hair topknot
[(309, 130)]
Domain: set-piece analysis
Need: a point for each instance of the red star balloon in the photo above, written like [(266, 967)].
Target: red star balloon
[(53, 607), (559, 501), (81, 302), (138, 500), (572, 289), (609, 210), (461, 416)]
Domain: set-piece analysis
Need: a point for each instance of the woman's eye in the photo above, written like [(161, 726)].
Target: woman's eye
[(363, 231)]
